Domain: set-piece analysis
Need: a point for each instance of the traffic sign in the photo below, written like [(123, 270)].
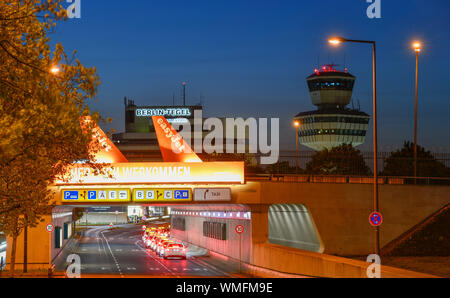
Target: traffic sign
[(50, 228), (375, 219), (144, 228), (239, 229)]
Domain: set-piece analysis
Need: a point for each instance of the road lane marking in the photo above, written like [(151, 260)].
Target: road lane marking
[(115, 260), (144, 250)]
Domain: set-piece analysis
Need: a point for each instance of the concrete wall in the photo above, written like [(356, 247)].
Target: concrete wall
[(291, 225), (39, 249), (230, 247), (61, 216), (104, 218), (295, 261), (341, 211)]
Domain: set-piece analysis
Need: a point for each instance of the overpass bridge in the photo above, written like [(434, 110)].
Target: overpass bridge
[(316, 219), (291, 224)]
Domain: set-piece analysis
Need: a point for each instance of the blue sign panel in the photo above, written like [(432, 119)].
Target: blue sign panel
[(181, 194), (71, 195), (92, 195)]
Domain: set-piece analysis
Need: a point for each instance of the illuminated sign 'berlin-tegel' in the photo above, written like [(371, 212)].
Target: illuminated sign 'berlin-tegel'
[(171, 112)]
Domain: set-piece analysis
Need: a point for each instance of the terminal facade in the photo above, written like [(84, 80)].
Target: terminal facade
[(139, 141)]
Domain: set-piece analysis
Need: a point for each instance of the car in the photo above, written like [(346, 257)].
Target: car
[(148, 242), (161, 245), (156, 242), (174, 250)]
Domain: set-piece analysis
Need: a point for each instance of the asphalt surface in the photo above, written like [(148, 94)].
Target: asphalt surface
[(120, 252)]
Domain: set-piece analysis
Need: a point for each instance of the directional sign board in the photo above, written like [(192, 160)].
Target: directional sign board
[(96, 195), (50, 228), (375, 219), (162, 195), (239, 229), (212, 194)]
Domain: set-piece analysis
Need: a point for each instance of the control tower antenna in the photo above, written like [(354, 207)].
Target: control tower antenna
[(184, 93), (345, 56)]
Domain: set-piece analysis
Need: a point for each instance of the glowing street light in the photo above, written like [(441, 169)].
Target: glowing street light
[(337, 41), (55, 70), (417, 46)]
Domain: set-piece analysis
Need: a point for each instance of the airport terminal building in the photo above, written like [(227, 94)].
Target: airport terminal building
[(139, 141)]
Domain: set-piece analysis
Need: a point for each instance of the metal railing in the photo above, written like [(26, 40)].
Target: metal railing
[(392, 180)]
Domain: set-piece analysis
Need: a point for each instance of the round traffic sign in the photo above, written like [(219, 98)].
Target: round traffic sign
[(239, 229), (375, 219), (50, 228)]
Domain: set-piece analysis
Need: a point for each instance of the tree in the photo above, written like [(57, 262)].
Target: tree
[(41, 133), (281, 167), (77, 213), (250, 164), (401, 163), (340, 160)]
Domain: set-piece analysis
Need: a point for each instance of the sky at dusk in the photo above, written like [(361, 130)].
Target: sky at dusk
[(251, 58)]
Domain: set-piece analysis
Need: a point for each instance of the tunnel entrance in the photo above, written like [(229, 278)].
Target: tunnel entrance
[(292, 225), (115, 239)]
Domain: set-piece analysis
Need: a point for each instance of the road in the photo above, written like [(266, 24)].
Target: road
[(120, 252)]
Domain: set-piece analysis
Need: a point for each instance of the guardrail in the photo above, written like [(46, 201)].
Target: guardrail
[(348, 179)]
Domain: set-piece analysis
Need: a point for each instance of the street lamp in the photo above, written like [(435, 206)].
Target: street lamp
[(337, 41), (417, 48), (297, 125), (55, 70)]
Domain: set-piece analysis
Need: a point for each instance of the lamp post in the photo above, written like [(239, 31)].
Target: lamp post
[(417, 48), (337, 41), (297, 125)]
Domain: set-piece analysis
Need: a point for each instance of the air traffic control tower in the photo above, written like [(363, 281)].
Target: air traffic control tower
[(333, 123)]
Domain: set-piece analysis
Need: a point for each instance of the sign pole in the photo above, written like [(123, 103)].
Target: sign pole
[(240, 254), (239, 230)]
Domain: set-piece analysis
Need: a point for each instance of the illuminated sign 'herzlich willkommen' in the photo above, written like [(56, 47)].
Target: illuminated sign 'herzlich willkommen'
[(162, 172)]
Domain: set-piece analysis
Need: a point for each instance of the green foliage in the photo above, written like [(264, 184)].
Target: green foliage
[(401, 163), (77, 213), (281, 167), (341, 160), (40, 133)]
